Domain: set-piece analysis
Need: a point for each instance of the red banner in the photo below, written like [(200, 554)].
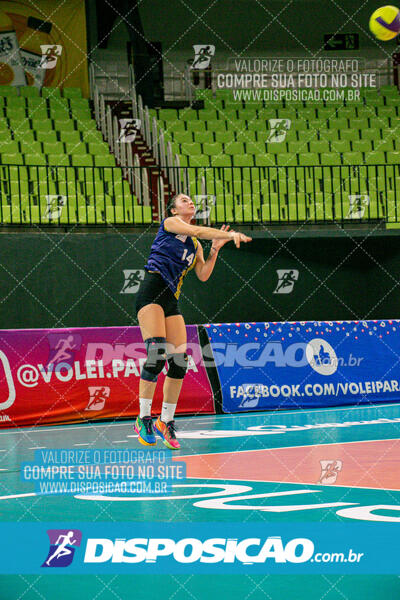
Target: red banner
[(70, 375)]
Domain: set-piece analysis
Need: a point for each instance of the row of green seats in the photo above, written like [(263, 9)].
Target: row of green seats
[(295, 147), (74, 136), (231, 114), (60, 173), (135, 215), (47, 125), (246, 135), (35, 147), (26, 91), (18, 102), (72, 187), (294, 125), (74, 160), (308, 159)]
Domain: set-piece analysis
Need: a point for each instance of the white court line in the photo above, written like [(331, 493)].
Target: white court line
[(297, 411), (37, 448), (259, 414), (286, 447), (18, 496), (361, 487)]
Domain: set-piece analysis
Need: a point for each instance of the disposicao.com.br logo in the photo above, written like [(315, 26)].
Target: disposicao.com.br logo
[(212, 550)]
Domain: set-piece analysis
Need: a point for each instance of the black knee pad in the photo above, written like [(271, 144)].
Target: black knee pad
[(178, 364), (156, 354)]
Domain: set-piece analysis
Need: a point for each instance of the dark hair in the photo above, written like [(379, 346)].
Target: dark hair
[(172, 202)]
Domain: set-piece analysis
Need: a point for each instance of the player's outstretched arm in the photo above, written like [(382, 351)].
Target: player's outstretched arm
[(177, 225)]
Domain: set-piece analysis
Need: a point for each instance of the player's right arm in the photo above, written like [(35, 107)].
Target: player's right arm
[(178, 226)]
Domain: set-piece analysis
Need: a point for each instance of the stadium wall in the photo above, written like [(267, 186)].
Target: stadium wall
[(90, 280)]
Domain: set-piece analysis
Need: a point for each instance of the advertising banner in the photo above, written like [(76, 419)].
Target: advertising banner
[(43, 43), (67, 375), (306, 364)]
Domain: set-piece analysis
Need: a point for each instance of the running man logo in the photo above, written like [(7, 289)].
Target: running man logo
[(55, 205), (97, 397), (286, 280), (202, 56), (50, 56), (321, 356), (63, 347), (133, 277), (63, 543), (358, 205), (278, 130), (204, 204), (329, 471), (129, 130)]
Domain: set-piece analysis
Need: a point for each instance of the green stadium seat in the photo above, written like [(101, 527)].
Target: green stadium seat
[(104, 161), (277, 148), (28, 91), (42, 126), (337, 123), (53, 148), (50, 92), (76, 148), (191, 149), (212, 148), (10, 147), (362, 146), (340, 146), (46, 136), (15, 113), (213, 126), (264, 160), (8, 90), (393, 157), (63, 125), (209, 115), (329, 134), (319, 146), (29, 147), (375, 158), (384, 145), (82, 160), (60, 160), (234, 148), (99, 148), (330, 159), (255, 147), (72, 92), (187, 114), (349, 135), (186, 137), (72, 137), (11, 159), (93, 135), (81, 115), (35, 159)]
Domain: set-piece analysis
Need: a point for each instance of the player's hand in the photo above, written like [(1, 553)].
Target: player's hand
[(240, 237), (217, 244)]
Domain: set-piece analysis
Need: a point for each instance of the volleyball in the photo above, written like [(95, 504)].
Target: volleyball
[(385, 23)]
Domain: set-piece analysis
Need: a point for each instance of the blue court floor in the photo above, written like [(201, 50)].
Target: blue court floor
[(299, 466)]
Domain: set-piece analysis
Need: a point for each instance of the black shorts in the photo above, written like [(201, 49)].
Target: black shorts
[(154, 290)]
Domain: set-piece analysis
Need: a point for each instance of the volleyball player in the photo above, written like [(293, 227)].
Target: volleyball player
[(175, 251)]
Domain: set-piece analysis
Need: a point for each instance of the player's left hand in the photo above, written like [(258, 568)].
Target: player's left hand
[(217, 244)]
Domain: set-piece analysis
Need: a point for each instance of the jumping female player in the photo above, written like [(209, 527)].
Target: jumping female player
[(174, 252)]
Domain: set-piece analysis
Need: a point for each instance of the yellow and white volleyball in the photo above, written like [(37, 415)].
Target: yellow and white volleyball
[(385, 23)]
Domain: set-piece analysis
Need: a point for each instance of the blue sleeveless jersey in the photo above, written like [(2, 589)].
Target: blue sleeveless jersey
[(172, 255)]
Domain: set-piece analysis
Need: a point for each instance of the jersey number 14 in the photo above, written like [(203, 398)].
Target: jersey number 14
[(189, 257)]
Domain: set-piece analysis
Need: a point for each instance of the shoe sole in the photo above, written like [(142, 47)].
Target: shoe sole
[(142, 441), (167, 444)]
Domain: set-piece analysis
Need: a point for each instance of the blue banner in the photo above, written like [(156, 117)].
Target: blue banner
[(89, 548), (306, 364)]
